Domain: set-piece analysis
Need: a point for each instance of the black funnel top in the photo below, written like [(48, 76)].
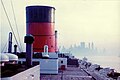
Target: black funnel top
[(40, 14)]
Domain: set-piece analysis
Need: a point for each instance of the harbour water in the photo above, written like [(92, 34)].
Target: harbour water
[(105, 61)]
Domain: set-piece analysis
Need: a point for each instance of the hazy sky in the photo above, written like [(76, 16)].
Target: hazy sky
[(95, 21)]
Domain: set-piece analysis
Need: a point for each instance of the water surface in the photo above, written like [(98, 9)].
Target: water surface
[(105, 61)]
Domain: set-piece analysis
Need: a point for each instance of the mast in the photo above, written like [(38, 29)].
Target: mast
[(10, 42)]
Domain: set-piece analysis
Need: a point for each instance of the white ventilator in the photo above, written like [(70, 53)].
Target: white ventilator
[(45, 54)]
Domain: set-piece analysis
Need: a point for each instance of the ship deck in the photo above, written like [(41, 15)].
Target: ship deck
[(71, 73)]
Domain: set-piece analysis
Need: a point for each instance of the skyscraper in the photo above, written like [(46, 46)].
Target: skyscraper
[(82, 44)]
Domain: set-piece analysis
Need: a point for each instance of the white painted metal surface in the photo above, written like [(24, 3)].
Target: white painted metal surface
[(29, 74), (47, 66), (62, 61)]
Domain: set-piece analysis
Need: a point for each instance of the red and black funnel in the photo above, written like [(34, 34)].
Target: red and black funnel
[(40, 23)]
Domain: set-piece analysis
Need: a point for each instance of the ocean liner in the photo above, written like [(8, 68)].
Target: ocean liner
[(42, 59)]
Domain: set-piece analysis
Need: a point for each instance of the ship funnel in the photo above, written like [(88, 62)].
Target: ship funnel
[(40, 22)]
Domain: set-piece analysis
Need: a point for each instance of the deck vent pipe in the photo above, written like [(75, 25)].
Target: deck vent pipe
[(45, 53), (15, 49), (56, 44), (28, 39)]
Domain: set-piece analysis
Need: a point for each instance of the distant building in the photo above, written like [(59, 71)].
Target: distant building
[(82, 45), (89, 45), (92, 45)]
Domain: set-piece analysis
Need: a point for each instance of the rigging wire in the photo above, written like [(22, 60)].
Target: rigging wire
[(16, 25), (10, 24), (5, 46)]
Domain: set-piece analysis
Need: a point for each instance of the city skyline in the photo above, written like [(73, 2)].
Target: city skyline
[(84, 49), (76, 21)]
